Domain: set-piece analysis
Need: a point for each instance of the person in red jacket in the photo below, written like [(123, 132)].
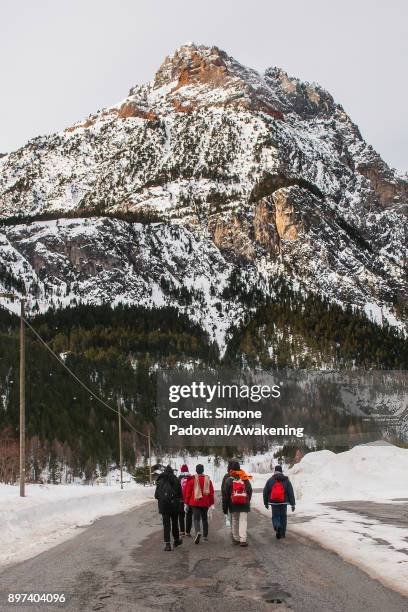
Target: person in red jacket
[(200, 496)]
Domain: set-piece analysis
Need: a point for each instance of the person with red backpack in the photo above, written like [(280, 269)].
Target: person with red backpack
[(185, 513), (278, 493), (200, 497), (236, 499)]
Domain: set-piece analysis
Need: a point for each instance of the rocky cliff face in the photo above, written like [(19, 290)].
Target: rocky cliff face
[(228, 170)]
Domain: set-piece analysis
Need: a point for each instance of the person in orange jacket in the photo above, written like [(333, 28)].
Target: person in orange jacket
[(200, 497)]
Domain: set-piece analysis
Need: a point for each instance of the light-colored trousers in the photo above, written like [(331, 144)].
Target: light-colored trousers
[(239, 522)]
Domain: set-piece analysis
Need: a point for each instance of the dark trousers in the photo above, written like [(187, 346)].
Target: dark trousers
[(200, 514), (279, 517), (185, 520), (170, 519)]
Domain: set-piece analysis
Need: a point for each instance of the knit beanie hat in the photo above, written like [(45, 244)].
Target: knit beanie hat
[(234, 465), (231, 463), (184, 468), (278, 468)]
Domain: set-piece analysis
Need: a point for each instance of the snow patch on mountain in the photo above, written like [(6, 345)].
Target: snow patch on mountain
[(69, 261)]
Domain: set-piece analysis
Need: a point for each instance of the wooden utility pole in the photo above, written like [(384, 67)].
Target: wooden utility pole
[(120, 444), (22, 400), (11, 296), (150, 455)]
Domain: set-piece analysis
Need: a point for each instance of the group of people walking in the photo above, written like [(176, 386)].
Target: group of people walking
[(183, 500), (187, 499)]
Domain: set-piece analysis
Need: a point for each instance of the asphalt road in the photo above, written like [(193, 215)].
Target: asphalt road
[(118, 564)]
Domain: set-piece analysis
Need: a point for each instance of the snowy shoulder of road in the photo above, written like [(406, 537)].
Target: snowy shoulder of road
[(50, 514), (367, 473)]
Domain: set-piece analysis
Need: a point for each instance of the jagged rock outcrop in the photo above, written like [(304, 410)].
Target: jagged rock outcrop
[(287, 223)]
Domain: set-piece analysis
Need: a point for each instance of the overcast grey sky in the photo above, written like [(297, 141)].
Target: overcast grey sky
[(63, 59)]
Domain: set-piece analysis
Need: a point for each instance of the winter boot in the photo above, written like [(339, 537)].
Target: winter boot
[(244, 544), (167, 547), (177, 542), (197, 538), (278, 533), (205, 539)]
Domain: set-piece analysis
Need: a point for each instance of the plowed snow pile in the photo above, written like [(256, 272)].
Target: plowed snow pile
[(370, 472)]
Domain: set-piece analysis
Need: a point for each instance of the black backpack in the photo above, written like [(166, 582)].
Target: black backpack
[(167, 495)]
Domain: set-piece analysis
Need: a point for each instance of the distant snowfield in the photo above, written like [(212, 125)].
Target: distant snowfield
[(373, 473), (50, 514)]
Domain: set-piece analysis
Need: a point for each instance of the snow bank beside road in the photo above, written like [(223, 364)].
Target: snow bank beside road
[(367, 472), (50, 514)]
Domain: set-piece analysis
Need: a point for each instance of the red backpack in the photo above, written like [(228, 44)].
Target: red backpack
[(238, 494), (277, 494)]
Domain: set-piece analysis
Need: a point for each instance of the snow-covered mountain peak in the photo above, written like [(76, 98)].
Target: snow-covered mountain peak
[(193, 71), (197, 76), (265, 172), (191, 64)]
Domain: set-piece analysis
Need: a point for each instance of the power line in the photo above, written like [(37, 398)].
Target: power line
[(84, 385)]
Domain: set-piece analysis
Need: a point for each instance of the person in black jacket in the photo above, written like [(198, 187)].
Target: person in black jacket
[(169, 496), (278, 493), (238, 511)]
